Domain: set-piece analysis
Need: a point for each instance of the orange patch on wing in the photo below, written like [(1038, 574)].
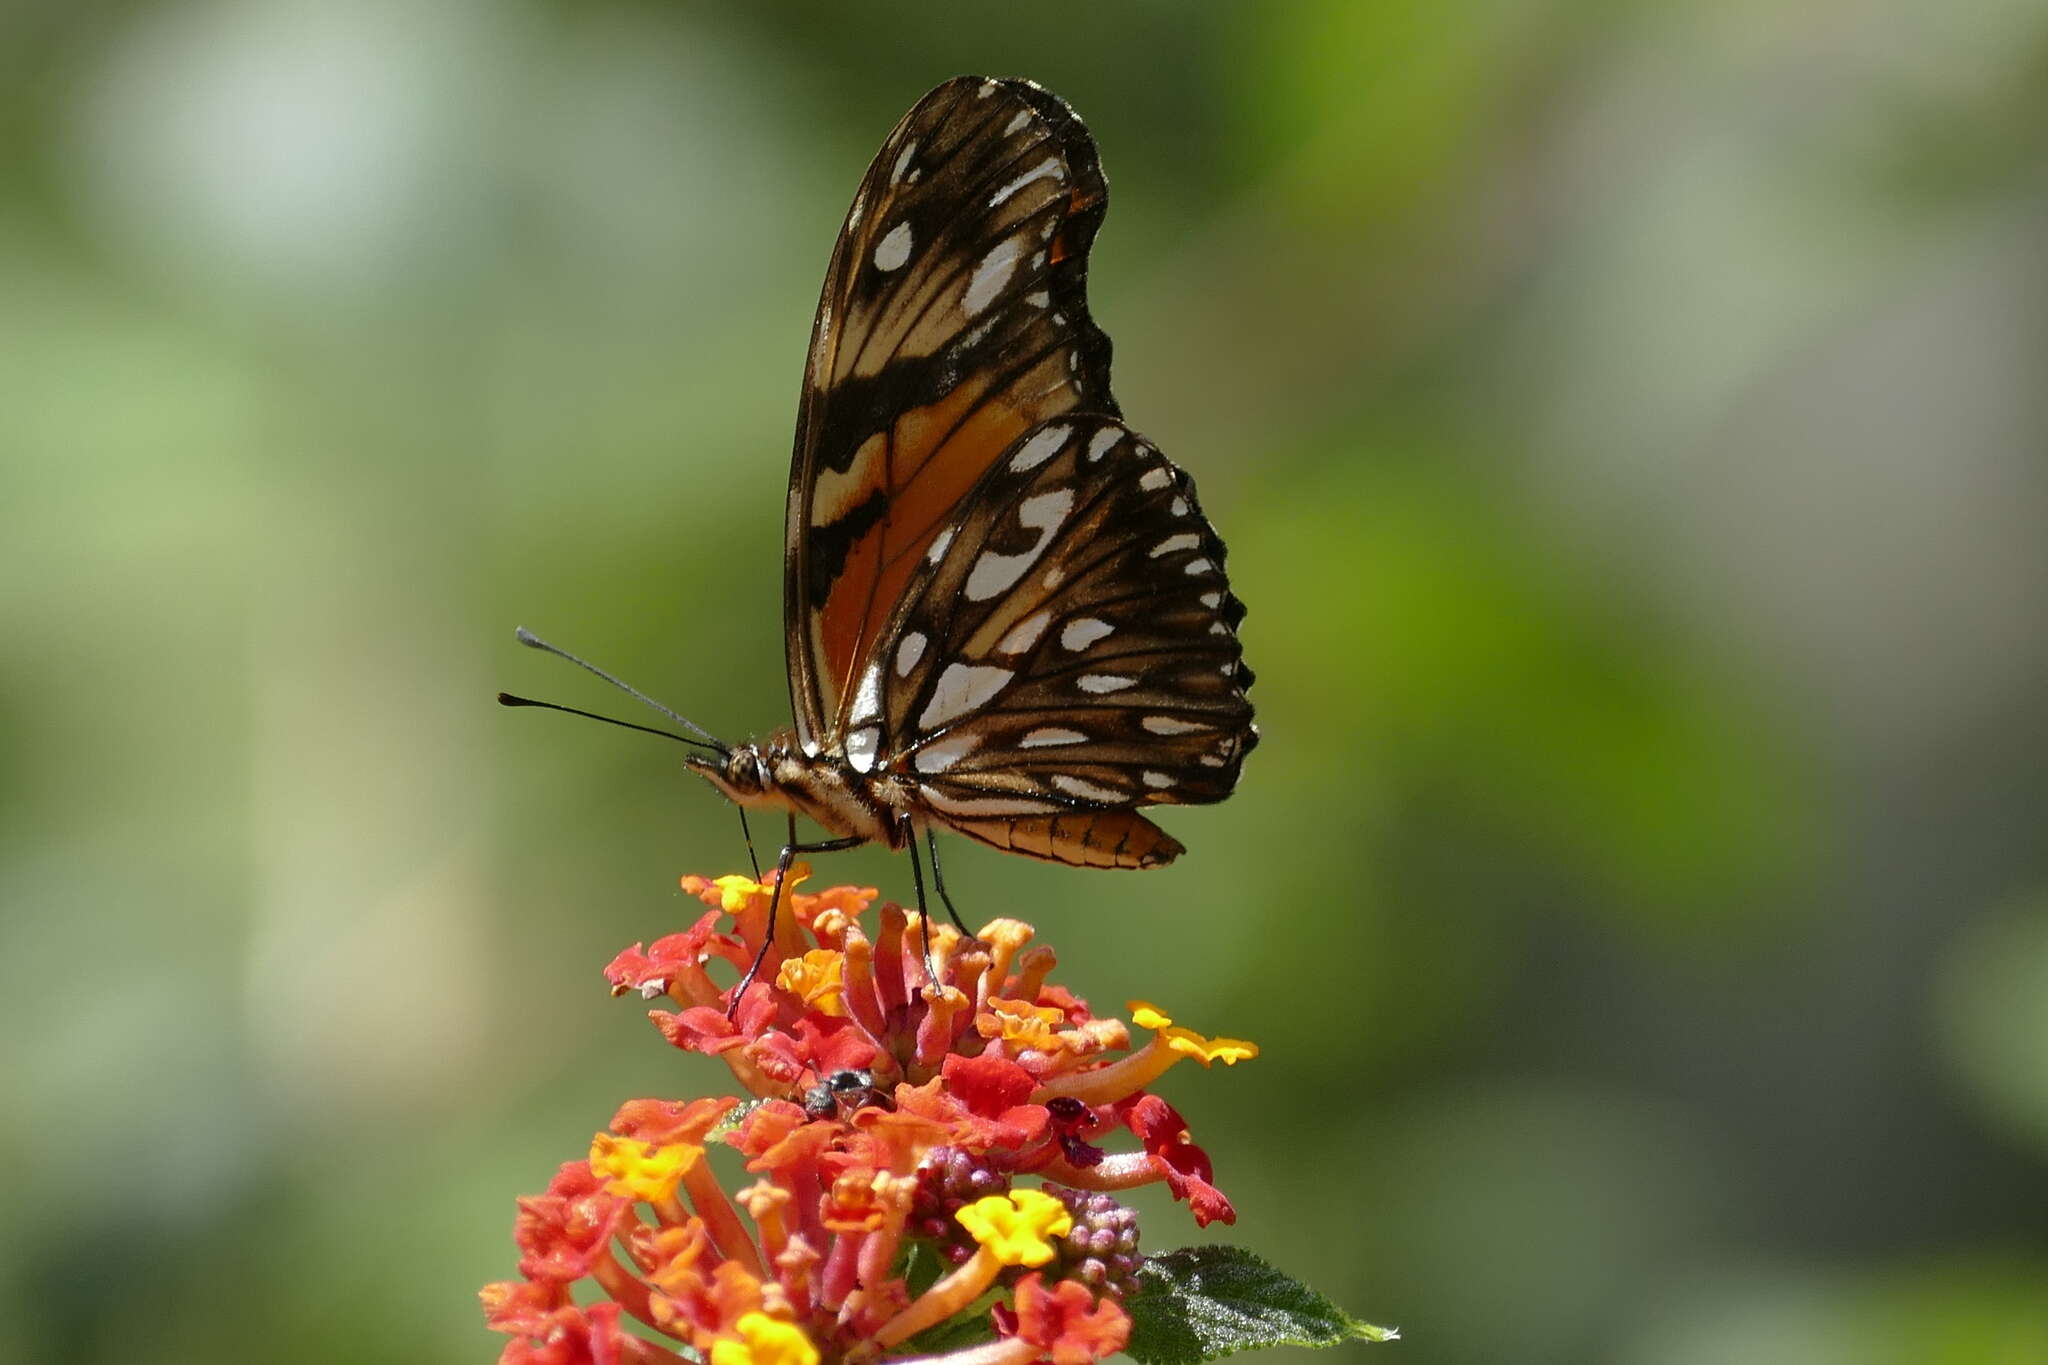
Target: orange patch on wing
[(839, 622), (939, 452), (833, 495)]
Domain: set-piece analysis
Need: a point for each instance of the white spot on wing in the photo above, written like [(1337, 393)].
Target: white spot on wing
[(1099, 444), (1212, 599), (908, 651), (867, 701), (1082, 632), (987, 88), (1048, 167), (1155, 479), (1039, 449), (1178, 507), (893, 250), (990, 275), (903, 162), (1157, 781), (1045, 511), (1089, 791), (938, 549), (1170, 725), (942, 754), (861, 746), (1046, 736), (1025, 633), (1195, 566), (969, 340), (1104, 682), (1187, 540), (994, 573), (1038, 299), (1023, 117), (962, 688)]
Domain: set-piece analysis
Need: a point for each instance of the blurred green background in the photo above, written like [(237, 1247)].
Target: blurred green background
[(1628, 423)]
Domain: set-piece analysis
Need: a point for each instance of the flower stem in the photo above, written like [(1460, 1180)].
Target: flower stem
[(945, 1298), (727, 1232), (1117, 1171), (625, 1288), (1107, 1084), (1002, 1351)]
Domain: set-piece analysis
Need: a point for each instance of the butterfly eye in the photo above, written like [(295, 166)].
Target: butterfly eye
[(746, 772)]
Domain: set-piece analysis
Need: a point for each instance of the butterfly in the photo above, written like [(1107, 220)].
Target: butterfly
[(1004, 613)]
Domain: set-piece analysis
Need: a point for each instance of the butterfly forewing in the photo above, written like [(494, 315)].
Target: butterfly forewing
[(953, 322), (1069, 646)]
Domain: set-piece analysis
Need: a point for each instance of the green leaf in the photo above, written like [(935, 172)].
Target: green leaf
[(918, 1265), (1201, 1303)]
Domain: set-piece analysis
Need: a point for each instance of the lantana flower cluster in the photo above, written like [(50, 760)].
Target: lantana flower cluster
[(934, 1134)]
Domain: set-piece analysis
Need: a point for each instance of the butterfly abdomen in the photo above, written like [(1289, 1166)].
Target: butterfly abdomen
[(1107, 839)]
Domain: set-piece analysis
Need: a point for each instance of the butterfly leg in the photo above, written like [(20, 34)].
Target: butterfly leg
[(924, 918), (790, 850), (748, 835), (931, 843)]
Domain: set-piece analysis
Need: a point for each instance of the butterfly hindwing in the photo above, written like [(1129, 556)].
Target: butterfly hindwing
[(953, 321), (1069, 646)]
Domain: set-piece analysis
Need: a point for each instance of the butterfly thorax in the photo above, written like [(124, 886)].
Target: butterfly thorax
[(775, 772)]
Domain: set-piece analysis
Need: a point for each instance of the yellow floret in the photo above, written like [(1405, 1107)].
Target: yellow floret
[(1187, 1042), (765, 1341), (1229, 1051), (1021, 1023), (1145, 1014), (735, 891), (640, 1170), (818, 978), (1016, 1227)]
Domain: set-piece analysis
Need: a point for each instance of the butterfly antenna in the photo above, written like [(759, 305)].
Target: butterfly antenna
[(507, 699), (532, 641)]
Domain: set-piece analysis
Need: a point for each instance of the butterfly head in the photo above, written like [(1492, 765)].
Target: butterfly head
[(743, 774), (777, 773)]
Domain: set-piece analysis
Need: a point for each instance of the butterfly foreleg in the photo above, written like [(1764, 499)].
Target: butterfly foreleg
[(924, 917), (931, 843), (790, 849), (747, 835)]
